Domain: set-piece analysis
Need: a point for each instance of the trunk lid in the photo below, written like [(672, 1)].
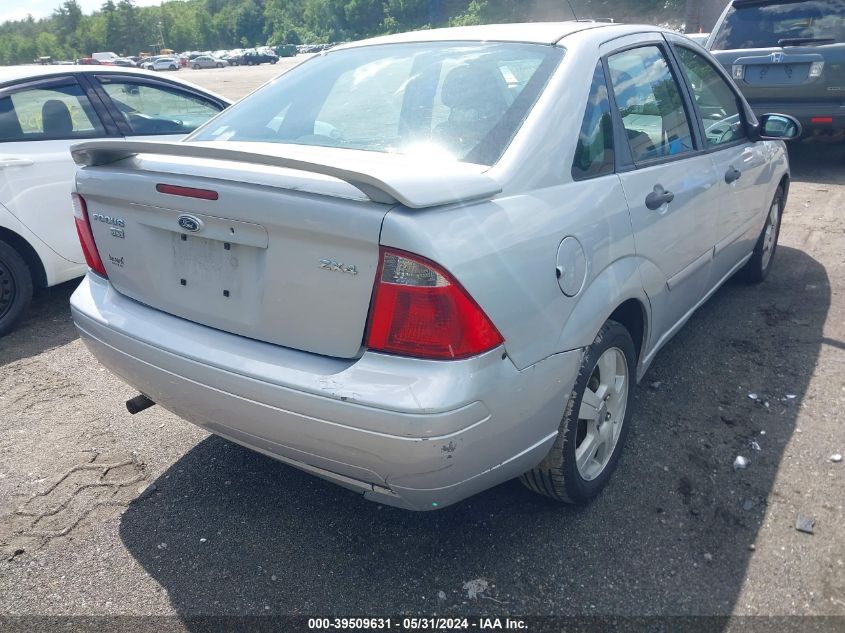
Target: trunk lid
[(282, 256)]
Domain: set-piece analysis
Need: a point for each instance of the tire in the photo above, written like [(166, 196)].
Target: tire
[(273, 61), (196, 66), (15, 287), (559, 475), (757, 268), (220, 65), (172, 67)]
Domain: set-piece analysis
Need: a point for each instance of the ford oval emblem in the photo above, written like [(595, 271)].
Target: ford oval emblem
[(190, 223)]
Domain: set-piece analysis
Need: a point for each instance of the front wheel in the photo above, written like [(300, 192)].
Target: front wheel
[(758, 267), (196, 66), (595, 422), (172, 67), (15, 287)]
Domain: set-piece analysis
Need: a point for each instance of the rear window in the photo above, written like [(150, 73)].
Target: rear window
[(455, 100), (782, 24), (48, 112)]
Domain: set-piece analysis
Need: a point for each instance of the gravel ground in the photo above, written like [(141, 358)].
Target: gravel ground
[(104, 513), (235, 82)]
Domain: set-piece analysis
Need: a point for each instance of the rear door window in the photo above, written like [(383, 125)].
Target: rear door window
[(790, 23), (650, 104), (594, 155), (59, 110)]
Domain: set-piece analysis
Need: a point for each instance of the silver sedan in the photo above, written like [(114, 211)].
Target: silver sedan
[(424, 264), (207, 61)]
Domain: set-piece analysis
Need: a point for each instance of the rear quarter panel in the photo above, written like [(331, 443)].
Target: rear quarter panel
[(504, 251)]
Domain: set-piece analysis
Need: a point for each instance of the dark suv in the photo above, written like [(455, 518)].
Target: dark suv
[(254, 58), (787, 56)]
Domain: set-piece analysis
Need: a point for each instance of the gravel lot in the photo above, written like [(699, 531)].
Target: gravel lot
[(678, 531)]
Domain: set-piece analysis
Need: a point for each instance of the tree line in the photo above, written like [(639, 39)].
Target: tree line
[(122, 27)]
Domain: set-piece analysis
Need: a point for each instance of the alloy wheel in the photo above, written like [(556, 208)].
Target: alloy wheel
[(770, 236), (602, 413)]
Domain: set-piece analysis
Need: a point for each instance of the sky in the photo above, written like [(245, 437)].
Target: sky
[(19, 9)]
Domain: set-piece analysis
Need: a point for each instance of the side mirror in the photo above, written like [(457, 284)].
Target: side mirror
[(779, 127)]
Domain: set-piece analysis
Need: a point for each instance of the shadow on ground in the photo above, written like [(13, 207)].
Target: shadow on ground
[(671, 534), (45, 326), (815, 162)]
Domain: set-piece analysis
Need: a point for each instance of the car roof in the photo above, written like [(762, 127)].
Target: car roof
[(32, 71), (9, 74), (527, 32)]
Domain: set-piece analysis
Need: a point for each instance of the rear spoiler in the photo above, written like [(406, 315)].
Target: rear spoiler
[(419, 186)]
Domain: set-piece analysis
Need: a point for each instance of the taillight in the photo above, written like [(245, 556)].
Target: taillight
[(86, 237), (420, 310)]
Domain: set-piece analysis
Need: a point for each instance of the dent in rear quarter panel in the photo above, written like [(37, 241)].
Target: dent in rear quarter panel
[(504, 253)]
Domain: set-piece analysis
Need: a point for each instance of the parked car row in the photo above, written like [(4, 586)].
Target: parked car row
[(196, 60), (316, 48)]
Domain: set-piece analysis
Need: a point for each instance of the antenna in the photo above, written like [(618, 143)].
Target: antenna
[(574, 15)]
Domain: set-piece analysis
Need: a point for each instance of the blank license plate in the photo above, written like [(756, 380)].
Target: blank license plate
[(209, 264)]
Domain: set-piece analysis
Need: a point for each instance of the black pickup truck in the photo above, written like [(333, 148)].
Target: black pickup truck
[(787, 56)]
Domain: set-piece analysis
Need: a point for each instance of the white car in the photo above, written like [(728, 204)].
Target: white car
[(162, 63), (43, 111)]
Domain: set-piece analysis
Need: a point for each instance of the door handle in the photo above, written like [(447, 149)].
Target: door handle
[(732, 175), (15, 162), (658, 198)]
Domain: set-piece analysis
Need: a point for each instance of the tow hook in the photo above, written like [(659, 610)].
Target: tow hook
[(138, 404)]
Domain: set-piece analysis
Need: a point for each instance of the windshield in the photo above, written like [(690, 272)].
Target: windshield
[(455, 100), (782, 24)]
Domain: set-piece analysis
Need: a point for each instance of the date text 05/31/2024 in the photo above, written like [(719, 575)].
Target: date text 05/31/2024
[(417, 624)]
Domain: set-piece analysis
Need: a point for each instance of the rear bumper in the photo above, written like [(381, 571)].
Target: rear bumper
[(410, 433), (814, 117)]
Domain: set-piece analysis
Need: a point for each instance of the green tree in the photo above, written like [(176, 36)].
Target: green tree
[(123, 27), (47, 44)]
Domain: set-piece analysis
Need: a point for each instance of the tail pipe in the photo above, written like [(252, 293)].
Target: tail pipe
[(138, 404)]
